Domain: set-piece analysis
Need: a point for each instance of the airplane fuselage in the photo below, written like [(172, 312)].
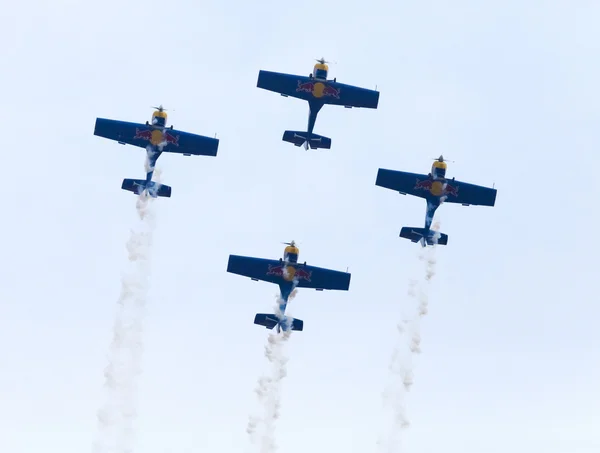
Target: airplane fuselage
[(314, 107), (160, 137), (286, 289), (439, 188), (438, 191), (289, 269)]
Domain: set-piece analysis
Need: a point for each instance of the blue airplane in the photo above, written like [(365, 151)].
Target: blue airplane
[(318, 91), (156, 138), (288, 274), (436, 189)]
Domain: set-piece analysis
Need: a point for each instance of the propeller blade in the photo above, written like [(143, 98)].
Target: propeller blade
[(323, 61), (441, 159)]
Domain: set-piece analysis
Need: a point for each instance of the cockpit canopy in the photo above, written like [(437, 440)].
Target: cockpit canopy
[(159, 119), (320, 71)]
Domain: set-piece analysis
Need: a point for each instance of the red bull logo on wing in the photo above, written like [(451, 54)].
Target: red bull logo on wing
[(318, 89), (275, 270), (144, 134), (307, 87), (289, 273), (436, 188), (451, 190), (156, 136), (423, 185), (328, 90), (171, 138), (303, 274)]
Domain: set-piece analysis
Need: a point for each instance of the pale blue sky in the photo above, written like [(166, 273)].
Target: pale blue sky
[(510, 344)]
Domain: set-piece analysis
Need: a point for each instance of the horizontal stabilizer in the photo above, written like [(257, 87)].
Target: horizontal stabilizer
[(298, 138), (417, 234), (270, 320), (296, 324), (137, 186)]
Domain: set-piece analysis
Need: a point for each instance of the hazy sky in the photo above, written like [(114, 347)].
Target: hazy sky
[(508, 92)]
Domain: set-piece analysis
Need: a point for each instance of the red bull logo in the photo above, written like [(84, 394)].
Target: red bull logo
[(307, 87), (318, 89), (437, 188), (451, 190), (303, 274), (289, 273), (150, 135), (275, 270), (144, 134), (171, 139), (328, 90), (424, 185)]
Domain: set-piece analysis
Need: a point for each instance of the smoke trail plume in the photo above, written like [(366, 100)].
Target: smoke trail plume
[(399, 383), (409, 343), (269, 391), (427, 255), (116, 417)]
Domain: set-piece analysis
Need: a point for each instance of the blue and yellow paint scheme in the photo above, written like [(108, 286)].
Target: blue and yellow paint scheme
[(436, 189), (289, 275), (291, 253), (318, 91), (159, 117), (156, 138)]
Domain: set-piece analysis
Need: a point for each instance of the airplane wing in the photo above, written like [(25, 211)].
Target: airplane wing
[(328, 92), (403, 182), (139, 135), (272, 271), (470, 194), (419, 185)]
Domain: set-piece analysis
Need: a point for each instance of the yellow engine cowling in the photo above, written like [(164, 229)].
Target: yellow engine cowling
[(291, 254), (320, 71), (438, 169), (159, 118)]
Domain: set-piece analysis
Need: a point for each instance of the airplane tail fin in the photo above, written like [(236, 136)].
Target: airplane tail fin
[(137, 186), (270, 320), (299, 138), (424, 236)]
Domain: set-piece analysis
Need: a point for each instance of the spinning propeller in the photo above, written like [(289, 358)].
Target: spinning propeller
[(160, 108), (322, 61), (293, 243), (441, 159)]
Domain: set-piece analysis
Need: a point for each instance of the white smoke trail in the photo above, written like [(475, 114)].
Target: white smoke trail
[(401, 363), (399, 383), (116, 417), (427, 254), (293, 293), (149, 151), (269, 391)]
